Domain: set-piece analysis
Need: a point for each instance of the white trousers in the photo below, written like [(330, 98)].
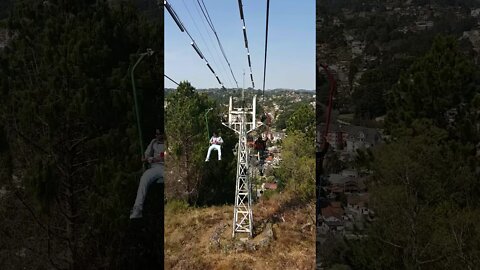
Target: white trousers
[(214, 147), (155, 173)]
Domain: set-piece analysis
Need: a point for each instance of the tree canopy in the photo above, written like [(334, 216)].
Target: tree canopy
[(424, 187), (191, 178), (303, 120), (443, 86)]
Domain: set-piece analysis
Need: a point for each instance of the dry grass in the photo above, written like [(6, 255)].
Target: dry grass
[(189, 244)]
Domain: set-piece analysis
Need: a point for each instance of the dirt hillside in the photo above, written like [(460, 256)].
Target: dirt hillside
[(201, 238)]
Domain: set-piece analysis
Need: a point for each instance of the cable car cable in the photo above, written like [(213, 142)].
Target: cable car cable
[(212, 56), (265, 59), (244, 28), (182, 28), (171, 79), (210, 23), (202, 15)]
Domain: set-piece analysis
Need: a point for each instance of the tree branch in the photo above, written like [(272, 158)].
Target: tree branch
[(31, 211), (49, 248), (71, 148), (431, 260), (87, 162), (390, 243), (26, 139)]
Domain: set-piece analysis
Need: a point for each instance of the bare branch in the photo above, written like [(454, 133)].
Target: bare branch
[(42, 120), (80, 190), (49, 247), (390, 243), (431, 260), (31, 142), (85, 163), (31, 211), (71, 148)]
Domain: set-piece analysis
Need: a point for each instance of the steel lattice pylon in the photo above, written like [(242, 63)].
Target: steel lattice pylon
[(243, 217), (242, 121)]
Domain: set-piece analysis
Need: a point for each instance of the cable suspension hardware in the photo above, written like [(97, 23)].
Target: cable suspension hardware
[(182, 28), (240, 6), (174, 16), (195, 47)]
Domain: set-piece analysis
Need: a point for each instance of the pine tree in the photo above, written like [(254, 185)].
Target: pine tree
[(424, 189), (303, 120), (191, 178), (443, 86)]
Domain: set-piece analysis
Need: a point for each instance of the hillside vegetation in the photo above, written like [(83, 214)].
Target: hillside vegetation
[(201, 238), (200, 195)]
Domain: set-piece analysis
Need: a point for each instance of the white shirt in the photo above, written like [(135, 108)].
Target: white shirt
[(216, 140)]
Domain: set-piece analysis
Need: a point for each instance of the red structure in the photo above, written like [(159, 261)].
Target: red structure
[(332, 87)]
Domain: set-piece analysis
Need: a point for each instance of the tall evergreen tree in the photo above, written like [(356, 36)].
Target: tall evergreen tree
[(302, 120), (424, 195), (425, 182), (191, 178), (443, 86)]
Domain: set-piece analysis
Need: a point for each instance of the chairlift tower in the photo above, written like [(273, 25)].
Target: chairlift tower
[(242, 120)]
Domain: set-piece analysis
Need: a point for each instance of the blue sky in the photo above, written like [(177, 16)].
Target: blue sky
[(291, 44)]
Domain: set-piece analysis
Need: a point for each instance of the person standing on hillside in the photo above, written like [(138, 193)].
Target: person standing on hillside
[(155, 156), (215, 143), (261, 146)]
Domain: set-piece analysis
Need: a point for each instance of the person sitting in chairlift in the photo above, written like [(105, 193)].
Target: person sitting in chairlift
[(215, 143), (155, 157)]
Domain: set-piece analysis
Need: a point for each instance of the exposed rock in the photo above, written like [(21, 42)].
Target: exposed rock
[(216, 236), (307, 226)]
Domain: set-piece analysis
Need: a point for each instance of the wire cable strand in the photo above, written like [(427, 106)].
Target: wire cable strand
[(182, 28), (244, 28), (265, 59), (170, 79), (208, 26), (205, 13), (207, 46)]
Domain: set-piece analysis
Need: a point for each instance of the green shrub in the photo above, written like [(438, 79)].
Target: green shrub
[(176, 206)]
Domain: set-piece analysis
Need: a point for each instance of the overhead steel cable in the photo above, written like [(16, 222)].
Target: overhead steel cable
[(212, 56), (174, 16), (207, 28), (240, 6), (205, 13), (265, 59), (182, 28), (201, 11), (170, 79)]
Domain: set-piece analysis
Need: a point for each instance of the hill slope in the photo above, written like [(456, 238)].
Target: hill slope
[(200, 238)]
